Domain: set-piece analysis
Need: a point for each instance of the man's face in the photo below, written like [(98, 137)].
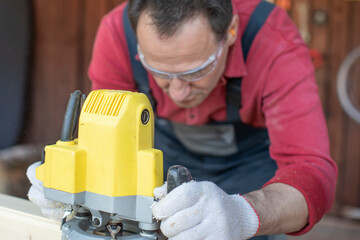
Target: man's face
[(190, 47)]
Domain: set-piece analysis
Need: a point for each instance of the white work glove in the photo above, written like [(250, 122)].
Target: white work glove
[(51, 209), (201, 210)]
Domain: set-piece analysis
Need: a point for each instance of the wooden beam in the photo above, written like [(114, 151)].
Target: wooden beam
[(55, 67), (351, 151), (22, 220)]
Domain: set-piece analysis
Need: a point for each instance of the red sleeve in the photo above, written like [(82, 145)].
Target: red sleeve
[(110, 67), (298, 133)]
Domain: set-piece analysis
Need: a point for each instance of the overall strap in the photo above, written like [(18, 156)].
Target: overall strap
[(233, 87), (257, 20), (139, 72)]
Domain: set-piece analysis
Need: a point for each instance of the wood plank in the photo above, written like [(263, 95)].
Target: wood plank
[(319, 41), (115, 3), (55, 67), (351, 173), (332, 228), (20, 220), (337, 51), (94, 11)]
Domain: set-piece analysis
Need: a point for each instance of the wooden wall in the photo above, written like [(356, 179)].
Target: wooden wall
[(334, 40), (64, 35)]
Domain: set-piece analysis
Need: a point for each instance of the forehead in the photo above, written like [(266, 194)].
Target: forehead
[(193, 37)]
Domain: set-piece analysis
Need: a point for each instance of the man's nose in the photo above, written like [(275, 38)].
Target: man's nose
[(179, 90)]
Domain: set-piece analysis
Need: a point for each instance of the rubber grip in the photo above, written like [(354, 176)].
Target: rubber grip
[(70, 123)]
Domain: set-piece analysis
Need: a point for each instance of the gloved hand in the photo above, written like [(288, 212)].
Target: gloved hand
[(51, 209), (201, 210)]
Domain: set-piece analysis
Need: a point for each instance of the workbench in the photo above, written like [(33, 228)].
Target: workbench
[(22, 220)]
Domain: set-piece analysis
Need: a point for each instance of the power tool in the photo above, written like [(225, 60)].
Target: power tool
[(105, 176)]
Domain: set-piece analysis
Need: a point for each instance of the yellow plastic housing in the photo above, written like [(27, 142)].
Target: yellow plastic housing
[(113, 155)]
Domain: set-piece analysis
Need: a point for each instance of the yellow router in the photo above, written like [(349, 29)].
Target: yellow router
[(111, 170)]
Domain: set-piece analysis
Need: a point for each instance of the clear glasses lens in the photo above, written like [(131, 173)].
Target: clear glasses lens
[(191, 77), (188, 76), (161, 75)]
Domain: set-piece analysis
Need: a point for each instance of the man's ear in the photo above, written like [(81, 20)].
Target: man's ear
[(232, 31)]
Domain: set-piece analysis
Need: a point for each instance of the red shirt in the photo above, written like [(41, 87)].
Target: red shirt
[(279, 92)]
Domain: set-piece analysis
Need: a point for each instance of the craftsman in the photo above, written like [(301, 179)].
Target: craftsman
[(236, 101)]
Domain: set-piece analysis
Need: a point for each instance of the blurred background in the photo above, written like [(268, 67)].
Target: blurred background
[(45, 50)]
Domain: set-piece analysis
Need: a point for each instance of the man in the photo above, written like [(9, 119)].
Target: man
[(243, 115)]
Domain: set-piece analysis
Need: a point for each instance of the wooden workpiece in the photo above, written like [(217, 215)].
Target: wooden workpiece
[(22, 220)]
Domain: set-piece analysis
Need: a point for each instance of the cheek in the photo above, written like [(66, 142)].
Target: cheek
[(209, 82), (164, 84), (205, 84)]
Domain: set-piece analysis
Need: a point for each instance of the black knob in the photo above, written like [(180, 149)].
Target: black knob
[(176, 176)]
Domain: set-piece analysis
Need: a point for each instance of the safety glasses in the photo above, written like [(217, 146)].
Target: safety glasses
[(188, 76)]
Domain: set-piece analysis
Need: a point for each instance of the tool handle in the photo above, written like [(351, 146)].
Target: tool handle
[(71, 115), (80, 103), (176, 176)]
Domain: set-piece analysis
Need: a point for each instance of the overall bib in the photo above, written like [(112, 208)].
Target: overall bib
[(233, 155)]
